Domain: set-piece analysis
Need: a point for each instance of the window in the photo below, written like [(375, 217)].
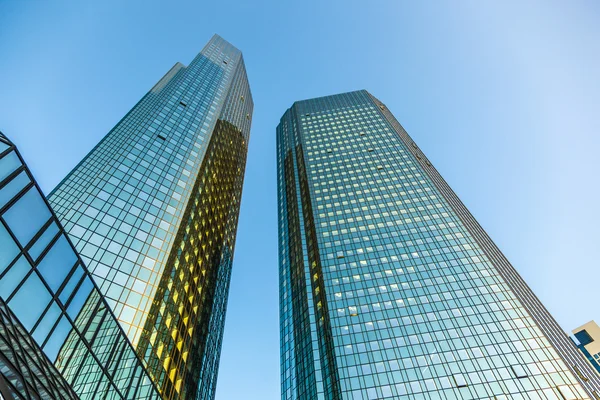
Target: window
[(14, 276), (50, 318), (13, 187), (584, 337), (57, 263), (57, 338), (567, 393), (27, 216), (79, 299), (42, 242), (459, 380), (8, 248), (68, 289), (8, 164), (162, 137), (183, 104), (30, 301), (518, 371)]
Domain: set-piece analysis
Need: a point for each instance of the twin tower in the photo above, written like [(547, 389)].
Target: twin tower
[(115, 286)]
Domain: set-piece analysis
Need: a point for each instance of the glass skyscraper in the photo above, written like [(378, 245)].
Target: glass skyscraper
[(153, 210), (388, 286)]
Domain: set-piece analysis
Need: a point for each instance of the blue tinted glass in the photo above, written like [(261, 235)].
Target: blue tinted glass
[(13, 277), (57, 263), (8, 164), (50, 318), (27, 216), (80, 297), (13, 187), (42, 242), (30, 301), (68, 289), (8, 248), (57, 339), (3, 146)]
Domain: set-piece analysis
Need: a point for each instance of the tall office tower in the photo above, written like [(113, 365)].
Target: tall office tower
[(58, 339), (153, 210), (388, 286), (588, 341)]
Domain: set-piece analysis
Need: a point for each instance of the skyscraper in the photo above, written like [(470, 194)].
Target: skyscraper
[(153, 210), (388, 286)]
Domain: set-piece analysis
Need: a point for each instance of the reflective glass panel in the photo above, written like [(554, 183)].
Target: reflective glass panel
[(13, 277), (42, 242), (30, 301), (57, 263), (46, 324), (27, 216), (8, 164), (80, 297), (57, 338), (68, 289), (13, 187), (8, 248)]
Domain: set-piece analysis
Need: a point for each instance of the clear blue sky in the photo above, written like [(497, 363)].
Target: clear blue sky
[(503, 97)]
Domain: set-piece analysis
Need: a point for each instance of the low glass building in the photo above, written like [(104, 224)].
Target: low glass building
[(58, 337), (25, 371)]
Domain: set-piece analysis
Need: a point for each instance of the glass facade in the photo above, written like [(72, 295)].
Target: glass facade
[(25, 371), (153, 209), (58, 339), (388, 286)]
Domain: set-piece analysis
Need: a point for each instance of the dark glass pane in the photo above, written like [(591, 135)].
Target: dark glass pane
[(27, 216)]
